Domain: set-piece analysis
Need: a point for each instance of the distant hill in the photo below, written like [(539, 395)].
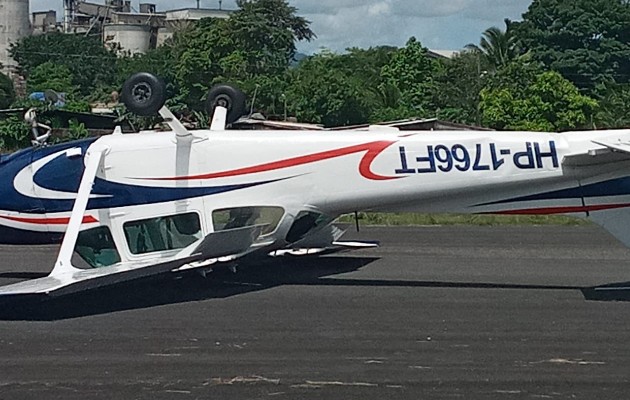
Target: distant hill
[(298, 58)]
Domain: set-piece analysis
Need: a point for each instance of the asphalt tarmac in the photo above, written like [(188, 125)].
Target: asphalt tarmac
[(435, 313)]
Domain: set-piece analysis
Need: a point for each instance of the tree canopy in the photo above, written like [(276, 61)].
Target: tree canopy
[(7, 94), (565, 66), (587, 41), (88, 61), (258, 41), (498, 48), (522, 97), (50, 76)]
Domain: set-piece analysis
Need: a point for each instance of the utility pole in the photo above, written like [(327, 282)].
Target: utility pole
[(197, 4), (220, 3)]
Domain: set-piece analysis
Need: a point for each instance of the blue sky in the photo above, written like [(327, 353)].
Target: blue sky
[(339, 24)]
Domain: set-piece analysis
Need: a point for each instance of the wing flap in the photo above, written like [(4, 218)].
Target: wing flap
[(334, 247), (623, 147), (81, 280), (225, 243), (610, 152), (230, 243)]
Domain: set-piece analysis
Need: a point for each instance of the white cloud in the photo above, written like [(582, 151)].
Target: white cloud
[(381, 8)]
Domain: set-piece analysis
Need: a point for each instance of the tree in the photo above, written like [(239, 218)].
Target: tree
[(614, 110), (267, 31), (158, 61), (587, 41), (409, 73), (257, 43), (50, 76), (523, 97), (7, 94), (320, 93), (90, 64), (458, 84), (364, 67), (497, 47), (14, 133)]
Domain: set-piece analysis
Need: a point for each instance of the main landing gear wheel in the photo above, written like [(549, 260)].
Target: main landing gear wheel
[(144, 94), (229, 97)]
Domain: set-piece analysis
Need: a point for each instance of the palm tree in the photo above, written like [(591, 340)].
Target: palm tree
[(497, 47)]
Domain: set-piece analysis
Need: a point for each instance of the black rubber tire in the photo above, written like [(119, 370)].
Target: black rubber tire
[(144, 94), (229, 97)]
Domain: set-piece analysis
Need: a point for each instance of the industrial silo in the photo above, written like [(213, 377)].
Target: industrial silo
[(127, 38), (14, 25)]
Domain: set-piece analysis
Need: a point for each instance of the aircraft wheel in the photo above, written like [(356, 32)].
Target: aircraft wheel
[(144, 94), (229, 97)]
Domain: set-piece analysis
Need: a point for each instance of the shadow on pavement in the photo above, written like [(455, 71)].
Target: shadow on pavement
[(22, 275), (164, 289), (611, 292)]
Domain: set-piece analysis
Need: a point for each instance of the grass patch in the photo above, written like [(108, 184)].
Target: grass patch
[(409, 219)]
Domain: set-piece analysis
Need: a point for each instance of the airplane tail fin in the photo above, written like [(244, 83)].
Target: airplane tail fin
[(607, 203), (616, 222)]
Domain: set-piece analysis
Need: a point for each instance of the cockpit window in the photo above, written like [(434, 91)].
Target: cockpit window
[(162, 233), (97, 248), (239, 217), (304, 223)]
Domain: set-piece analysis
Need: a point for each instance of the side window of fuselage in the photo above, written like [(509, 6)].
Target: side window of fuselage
[(239, 217), (162, 233), (97, 248)]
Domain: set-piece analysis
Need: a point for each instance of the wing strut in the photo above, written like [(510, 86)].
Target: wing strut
[(219, 119), (93, 160), (171, 120)]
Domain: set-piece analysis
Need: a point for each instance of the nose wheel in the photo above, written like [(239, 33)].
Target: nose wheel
[(228, 97), (144, 94)]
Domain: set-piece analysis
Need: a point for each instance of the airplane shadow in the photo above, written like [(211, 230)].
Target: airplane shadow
[(164, 289), (611, 292), (167, 289), (22, 275)]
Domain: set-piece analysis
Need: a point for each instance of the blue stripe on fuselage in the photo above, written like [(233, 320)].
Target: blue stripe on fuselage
[(10, 165), (614, 187), (64, 174)]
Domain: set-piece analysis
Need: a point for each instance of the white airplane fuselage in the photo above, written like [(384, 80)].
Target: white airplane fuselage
[(154, 174)]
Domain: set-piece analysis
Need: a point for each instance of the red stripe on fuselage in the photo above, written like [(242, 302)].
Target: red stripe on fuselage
[(88, 219), (373, 149), (561, 210)]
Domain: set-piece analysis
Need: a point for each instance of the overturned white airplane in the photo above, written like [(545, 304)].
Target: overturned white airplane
[(136, 205)]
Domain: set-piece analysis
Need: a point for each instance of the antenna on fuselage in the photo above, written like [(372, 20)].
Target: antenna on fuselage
[(251, 109)]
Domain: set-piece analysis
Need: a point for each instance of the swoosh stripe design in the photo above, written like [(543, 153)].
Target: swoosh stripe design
[(614, 187), (25, 184), (19, 194), (372, 149), (561, 210), (88, 219)]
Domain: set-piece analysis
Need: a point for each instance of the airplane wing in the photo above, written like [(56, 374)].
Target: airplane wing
[(66, 278), (609, 152), (66, 283), (229, 243), (321, 242), (334, 247), (623, 147)]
